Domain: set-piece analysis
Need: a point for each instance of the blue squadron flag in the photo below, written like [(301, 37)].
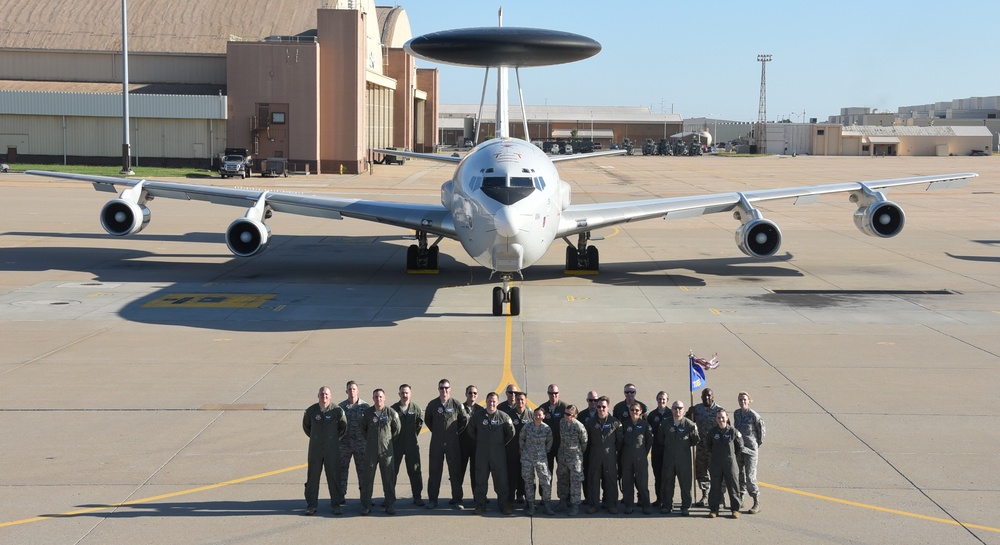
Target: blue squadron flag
[(698, 368)]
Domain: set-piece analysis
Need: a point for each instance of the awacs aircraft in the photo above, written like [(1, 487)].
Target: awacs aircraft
[(505, 203)]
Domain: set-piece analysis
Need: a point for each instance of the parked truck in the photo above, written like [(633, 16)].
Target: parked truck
[(236, 162)]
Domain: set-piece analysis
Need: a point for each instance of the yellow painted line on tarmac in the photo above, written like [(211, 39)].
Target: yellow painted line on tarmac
[(153, 498), (877, 508), (507, 378), (508, 374), (210, 300)]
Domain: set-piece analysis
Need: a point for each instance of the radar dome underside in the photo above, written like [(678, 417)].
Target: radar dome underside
[(502, 46)]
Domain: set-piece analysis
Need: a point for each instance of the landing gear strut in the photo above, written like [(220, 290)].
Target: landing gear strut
[(506, 294), (421, 257), (582, 259)]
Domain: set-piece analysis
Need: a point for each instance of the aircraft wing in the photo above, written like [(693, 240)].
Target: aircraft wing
[(433, 219), (416, 155), (586, 217), (557, 158)]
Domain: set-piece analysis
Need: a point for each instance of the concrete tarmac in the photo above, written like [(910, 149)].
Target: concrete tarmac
[(152, 387)]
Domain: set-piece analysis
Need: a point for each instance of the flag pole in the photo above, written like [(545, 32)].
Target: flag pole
[(694, 476)]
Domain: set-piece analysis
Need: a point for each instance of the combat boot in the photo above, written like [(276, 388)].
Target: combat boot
[(530, 509), (756, 506), (701, 502), (547, 506), (561, 506)]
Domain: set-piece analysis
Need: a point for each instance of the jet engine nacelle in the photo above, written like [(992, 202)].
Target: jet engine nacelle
[(565, 195), (758, 238), (246, 237), (120, 217), (447, 194), (881, 219)]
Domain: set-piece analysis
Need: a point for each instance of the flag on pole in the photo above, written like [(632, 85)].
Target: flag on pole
[(698, 368), (697, 377)]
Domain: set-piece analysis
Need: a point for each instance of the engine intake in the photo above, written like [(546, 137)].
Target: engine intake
[(758, 238), (120, 217), (882, 219), (246, 237)]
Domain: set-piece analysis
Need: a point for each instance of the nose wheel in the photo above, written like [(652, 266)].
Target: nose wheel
[(509, 295)]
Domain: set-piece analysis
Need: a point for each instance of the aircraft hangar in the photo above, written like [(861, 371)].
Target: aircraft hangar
[(318, 87)]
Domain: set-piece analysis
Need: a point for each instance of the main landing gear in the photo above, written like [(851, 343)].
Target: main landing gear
[(421, 257), (582, 259), (506, 294)]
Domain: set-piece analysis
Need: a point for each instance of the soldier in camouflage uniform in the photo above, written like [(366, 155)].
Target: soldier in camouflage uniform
[(379, 426), (536, 442), (554, 409), (636, 441), (569, 472), (325, 425), (750, 424), (411, 418), (354, 442), (703, 415)]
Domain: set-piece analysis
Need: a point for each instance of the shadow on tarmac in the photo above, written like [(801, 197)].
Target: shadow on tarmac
[(325, 282)]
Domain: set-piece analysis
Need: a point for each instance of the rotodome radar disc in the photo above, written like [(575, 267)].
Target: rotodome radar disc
[(502, 46)]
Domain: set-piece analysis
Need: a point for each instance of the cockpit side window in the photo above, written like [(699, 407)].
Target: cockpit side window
[(539, 183)]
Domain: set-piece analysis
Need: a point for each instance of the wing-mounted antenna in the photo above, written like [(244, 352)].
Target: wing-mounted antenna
[(502, 47)]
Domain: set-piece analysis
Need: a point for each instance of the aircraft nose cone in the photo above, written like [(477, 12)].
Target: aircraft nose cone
[(506, 223)]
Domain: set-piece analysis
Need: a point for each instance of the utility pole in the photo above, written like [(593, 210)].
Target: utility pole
[(762, 110), (126, 147)]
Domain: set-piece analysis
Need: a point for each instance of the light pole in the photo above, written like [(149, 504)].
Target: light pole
[(126, 147)]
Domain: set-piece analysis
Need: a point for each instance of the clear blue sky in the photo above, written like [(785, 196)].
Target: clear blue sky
[(700, 58)]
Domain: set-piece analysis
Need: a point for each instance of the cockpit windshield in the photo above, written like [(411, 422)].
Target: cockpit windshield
[(508, 190)]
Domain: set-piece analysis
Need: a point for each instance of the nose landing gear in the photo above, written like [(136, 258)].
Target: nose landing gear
[(511, 295)]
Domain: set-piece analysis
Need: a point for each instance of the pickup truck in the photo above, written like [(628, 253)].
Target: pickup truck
[(236, 162)]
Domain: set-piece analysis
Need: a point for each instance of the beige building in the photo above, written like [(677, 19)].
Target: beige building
[(282, 78), (602, 124), (877, 141)]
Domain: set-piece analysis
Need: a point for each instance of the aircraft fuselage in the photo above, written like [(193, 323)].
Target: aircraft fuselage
[(506, 199)]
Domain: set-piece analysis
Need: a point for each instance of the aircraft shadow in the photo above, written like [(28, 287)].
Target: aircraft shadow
[(317, 282), (979, 258)]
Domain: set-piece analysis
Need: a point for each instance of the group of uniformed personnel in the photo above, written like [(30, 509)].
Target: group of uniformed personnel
[(595, 453)]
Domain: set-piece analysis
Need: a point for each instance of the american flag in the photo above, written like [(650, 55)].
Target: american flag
[(703, 363)]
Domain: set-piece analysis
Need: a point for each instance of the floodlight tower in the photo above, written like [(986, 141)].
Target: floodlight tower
[(762, 110)]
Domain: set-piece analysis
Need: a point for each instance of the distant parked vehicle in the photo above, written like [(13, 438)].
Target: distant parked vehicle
[(236, 162)]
